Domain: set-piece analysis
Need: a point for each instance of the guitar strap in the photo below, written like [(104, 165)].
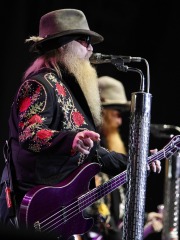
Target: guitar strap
[(8, 179)]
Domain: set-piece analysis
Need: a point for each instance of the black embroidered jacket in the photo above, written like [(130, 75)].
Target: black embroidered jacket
[(46, 115)]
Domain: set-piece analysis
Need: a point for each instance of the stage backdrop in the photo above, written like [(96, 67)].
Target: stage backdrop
[(147, 29)]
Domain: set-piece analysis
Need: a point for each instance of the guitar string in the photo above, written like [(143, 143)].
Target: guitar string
[(105, 190), (72, 208), (74, 213), (93, 192)]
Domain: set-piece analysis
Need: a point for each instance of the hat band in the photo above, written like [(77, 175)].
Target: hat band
[(52, 44)]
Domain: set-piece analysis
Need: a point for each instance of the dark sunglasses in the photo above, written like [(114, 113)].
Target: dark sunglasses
[(84, 40)]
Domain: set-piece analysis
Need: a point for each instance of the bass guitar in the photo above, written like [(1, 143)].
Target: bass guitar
[(58, 209)]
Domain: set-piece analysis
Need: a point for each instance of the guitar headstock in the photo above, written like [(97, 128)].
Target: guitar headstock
[(172, 147)]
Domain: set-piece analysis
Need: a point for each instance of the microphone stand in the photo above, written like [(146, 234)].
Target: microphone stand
[(171, 210), (171, 198), (138, 148)]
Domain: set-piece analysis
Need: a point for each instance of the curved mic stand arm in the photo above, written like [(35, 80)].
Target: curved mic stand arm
[(148, 74), (130, 69), (119, 64)]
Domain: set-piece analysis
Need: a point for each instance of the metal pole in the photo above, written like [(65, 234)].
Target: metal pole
[(171, 200), (137, 166)]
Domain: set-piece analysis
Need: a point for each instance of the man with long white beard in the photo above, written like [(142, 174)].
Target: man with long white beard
[(53, 140)]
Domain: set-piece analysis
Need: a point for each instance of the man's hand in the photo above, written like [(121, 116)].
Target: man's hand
[(155, 220), (155, 166), (84, 141)]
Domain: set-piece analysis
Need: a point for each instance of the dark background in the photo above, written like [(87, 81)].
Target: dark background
[(147, 29)]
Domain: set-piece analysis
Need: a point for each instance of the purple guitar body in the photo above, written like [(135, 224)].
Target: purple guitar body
[(59, 209)]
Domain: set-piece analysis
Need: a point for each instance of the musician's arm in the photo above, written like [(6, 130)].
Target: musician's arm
[(111, 162)]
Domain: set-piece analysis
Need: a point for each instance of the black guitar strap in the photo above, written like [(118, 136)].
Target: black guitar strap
[(8, 178)]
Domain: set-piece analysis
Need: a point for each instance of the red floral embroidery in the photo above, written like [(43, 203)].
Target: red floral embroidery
[(25, 103), (21, 124), (60, 89), (35, 119), (78, 118), (38, 89), (44, 134)]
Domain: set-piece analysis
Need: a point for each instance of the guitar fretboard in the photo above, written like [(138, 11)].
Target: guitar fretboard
[(97, 193)]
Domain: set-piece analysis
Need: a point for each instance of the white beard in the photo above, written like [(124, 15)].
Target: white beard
[(86, 76)]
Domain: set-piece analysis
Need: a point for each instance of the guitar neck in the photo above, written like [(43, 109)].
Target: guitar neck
[(97, 193)]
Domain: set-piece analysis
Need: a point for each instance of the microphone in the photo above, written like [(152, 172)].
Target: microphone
[(98, 58), (164, 130)]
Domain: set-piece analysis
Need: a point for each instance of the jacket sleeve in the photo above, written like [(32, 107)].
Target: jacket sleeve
[(112, 163), (36, 107)]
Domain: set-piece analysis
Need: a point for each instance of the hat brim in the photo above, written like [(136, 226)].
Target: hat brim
[(123, 107), (60, 39)]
